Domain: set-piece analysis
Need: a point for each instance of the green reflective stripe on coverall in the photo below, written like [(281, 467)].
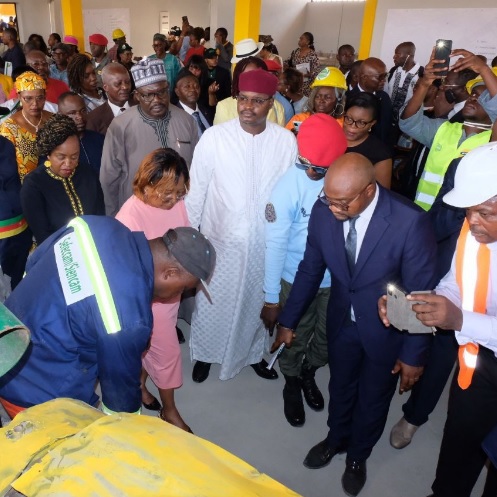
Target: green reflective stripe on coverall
[(98, 278)]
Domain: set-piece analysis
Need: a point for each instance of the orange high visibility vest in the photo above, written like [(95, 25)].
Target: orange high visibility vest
[(472, 273)]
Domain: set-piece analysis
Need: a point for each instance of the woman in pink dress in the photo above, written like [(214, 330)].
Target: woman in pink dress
[(157, 204)]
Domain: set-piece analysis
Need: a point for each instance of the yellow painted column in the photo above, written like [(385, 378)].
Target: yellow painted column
[(367, 28), (247, 20), (72, 19)]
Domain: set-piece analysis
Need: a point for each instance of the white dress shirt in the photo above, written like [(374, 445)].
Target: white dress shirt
[(476, 327), (116, 110), (361, 226)]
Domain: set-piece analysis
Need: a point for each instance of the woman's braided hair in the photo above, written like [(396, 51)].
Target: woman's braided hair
[(54, 133), (76, 71)]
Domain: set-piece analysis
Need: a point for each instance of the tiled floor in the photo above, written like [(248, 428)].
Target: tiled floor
[(245, 416)]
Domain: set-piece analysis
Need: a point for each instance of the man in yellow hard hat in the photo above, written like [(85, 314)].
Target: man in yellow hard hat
[(118, 37)]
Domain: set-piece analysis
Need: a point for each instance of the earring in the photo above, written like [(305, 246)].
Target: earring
[(47, 163)]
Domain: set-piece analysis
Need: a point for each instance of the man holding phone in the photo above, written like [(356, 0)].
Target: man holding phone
[(466, 301), (367, 237), (448, 140)]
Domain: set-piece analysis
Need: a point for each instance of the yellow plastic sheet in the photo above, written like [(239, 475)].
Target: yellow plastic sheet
[(38, 429), (129, 455)]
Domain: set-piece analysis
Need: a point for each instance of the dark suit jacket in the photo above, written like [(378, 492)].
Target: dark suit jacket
[(99, 119), (383, 129), (206, 110), (447, 221), (399, 247)]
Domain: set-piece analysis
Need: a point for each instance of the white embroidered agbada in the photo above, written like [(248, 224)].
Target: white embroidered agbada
[(232, 176)]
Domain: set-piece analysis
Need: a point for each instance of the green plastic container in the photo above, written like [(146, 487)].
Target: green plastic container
[(14, 340)]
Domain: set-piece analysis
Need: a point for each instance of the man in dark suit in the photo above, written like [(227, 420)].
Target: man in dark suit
[(372, 76), (117, 85), (91, 142), (367, 237), (187, 90)]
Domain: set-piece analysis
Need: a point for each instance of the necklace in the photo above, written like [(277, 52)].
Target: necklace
[(35, 126)]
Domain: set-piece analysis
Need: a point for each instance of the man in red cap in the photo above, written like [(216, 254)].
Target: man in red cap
[(234, 168), (98, 49), (321, 141)]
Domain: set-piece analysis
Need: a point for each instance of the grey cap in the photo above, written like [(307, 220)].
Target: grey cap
[(193, 251)]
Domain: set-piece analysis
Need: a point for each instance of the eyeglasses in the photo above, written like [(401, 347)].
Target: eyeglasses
[(359, 124), (316, 169), (169, 196), (57, 53), (254, 101), (340, 205), (38, 98), (148, 97)]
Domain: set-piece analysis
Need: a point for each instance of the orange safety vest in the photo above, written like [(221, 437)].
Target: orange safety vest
[(472, 273)]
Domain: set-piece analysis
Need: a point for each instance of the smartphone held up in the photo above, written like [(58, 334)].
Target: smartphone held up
[(443, 48)]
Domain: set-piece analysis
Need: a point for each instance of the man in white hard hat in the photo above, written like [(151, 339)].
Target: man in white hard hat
[(466, 301)]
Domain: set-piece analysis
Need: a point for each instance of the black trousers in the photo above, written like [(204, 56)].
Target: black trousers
[(14, 253), (471, 416), (427, 391), (360, 394)]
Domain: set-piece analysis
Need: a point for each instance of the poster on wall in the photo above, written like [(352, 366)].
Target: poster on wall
[(104, 21), (425, 26)]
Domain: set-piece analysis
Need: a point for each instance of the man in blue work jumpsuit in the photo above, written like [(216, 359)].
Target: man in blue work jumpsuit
[(86, 298)]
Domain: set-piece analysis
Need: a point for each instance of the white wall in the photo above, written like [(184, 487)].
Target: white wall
[(384, 5), (222, 15), (144, 17), (33, 17), (334, 24), (284, 21)]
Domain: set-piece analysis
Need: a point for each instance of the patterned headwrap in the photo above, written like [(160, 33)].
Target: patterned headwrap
[(29, 81)]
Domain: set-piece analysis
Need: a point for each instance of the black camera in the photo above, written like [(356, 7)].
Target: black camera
[(175, 31)]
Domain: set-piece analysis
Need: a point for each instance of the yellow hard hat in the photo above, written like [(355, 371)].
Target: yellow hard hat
[(118, 33), (477, 81), (330, 76)]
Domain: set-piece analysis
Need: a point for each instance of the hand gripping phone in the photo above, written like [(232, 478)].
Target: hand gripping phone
[(400, 313), (442, 52)]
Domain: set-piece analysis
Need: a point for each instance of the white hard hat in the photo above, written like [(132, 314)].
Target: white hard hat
[(475, 181)]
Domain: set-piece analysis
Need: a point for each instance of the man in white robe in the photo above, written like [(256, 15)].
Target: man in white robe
[(235, 166)]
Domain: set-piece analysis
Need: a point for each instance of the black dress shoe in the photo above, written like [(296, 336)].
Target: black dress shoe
[(200, 371), (293, 406), (181, 337), (312, 394), (261, 370), (155, 405), (354, 477), (321, 455)]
